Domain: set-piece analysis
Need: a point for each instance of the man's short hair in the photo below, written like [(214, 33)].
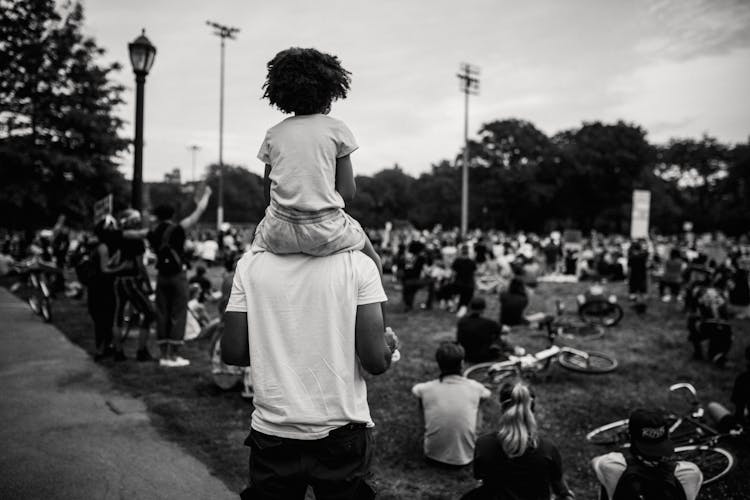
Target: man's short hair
[(449, 357)]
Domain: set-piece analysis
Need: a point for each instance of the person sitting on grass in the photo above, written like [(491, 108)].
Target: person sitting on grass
[(308, 169), (449, 406), (482, 338), (513, 303), (646, 470), (514, 461)]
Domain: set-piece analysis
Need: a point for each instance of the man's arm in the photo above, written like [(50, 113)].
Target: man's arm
[(235, 346), (371, 340), (191, 219)]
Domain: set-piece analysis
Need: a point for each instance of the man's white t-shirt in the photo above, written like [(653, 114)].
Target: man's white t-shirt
[(302, 151), (450, 415), (301, 314)]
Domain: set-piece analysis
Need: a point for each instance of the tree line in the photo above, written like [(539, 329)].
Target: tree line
[(60, 148)]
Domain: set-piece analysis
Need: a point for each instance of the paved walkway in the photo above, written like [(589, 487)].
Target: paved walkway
[(66, 433)]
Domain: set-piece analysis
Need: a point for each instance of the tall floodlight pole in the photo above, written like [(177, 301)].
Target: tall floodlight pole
[(194, 148), (469, 81), (222, 32)]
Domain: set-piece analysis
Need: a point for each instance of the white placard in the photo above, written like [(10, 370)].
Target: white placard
[(640, 216)]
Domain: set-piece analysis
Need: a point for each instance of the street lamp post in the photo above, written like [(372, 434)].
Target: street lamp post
[(142, 54), (222, 32), (194, 149), (469, 78)]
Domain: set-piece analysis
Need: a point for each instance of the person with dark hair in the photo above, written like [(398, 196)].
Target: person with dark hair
[(646, 471), (514, 461), (449, 406), (671, 278), (308, 169), (101, 291), (637, 270), (481, 338), (132, 286), (463, 268), (167, 240), (200, 279), (513, 302)]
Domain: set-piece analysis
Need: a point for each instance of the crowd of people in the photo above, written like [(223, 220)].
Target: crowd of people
[(304, 309)]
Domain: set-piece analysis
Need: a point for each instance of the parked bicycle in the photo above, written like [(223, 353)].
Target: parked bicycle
[(494, 373), (35, 275), (695, 439)]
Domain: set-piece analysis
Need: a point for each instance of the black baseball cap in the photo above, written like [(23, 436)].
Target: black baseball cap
[(649, 433)]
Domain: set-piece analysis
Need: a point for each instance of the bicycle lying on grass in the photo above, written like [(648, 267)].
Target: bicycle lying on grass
[(695, 440), (495, 372)]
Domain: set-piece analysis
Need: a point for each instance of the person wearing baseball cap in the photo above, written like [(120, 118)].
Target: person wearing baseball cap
[(647, 469)]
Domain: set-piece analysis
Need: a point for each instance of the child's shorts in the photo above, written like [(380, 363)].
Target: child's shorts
[(287, 231)]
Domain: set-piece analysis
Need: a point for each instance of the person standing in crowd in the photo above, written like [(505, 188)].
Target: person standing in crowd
[(464, 268), (514, 461), (646, 470), (449, 406), (637, 270), (739, 290), (671, 279), (414, 276), (200, 279), (167, 240), (481, 338), (307, 326), (101, 292), (132, 286)]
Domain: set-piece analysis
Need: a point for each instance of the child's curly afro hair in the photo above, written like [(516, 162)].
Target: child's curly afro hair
[(305, 81)]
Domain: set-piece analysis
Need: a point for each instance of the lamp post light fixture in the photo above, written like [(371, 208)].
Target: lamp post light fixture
[(142, 54), (469, 80)]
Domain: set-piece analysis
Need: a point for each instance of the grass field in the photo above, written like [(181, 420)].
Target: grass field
[(652, 352)]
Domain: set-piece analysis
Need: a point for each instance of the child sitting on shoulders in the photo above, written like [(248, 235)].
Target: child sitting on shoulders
[(308, 169)]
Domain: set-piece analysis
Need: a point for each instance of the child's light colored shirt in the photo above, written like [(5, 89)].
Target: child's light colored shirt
[(302, 151)]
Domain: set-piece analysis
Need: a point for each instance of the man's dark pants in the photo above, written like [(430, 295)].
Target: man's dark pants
[(171, 306), (334, 466)]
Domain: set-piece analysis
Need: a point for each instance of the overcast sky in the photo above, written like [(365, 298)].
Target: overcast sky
[(678, 68)]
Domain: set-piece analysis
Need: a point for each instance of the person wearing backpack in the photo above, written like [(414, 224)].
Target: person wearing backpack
[(167, 240), (646, 471)]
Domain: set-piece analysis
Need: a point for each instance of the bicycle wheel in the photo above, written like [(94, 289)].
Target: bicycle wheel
[(489, 374), (223, 375), (614, 433), (588, 362), (45, 309), (34, 304), (601, 312), (713, 462)]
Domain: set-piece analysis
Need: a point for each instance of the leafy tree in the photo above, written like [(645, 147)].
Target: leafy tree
[(243, 194), (58, 129)]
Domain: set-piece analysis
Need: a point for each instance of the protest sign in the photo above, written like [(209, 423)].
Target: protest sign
[(102, 208), (640, 214)]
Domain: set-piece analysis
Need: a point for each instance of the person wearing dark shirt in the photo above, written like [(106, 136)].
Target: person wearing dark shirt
[(741, 392), (513, 302), (464, 268), (637, 270), (480, 337), (172, 286), (413, 276), (515, 462), (132, 286)]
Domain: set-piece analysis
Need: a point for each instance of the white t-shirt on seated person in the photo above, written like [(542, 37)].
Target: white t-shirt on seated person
[(302, 151), (301, 314)]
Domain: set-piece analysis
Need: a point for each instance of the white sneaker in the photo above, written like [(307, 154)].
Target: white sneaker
[(166, 362), (180, 361)]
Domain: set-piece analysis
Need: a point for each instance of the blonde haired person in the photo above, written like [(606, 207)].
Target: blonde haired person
[(514, 461)]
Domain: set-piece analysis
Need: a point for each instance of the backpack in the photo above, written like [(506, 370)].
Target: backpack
[(168, 261), (641, 482)]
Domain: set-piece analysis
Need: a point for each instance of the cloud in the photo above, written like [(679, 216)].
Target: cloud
[(686, 29)]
